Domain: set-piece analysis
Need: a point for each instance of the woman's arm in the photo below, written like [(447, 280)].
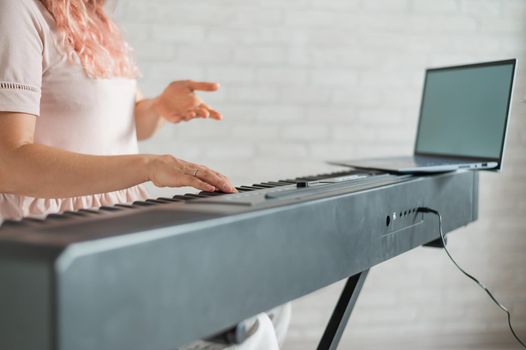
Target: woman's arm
[(47, 172), (178, 102), (147, 119)]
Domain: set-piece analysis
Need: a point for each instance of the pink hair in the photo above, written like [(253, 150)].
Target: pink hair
[(89, 32)]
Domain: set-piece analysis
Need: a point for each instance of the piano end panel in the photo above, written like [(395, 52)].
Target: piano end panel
[(26, 299)]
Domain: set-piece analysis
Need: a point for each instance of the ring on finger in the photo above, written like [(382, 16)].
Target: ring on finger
[(195, 172)]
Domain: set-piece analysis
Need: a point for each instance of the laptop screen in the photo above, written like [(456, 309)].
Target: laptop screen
[(464, 110)]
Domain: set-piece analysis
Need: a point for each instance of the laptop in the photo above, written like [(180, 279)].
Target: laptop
[(463, 120)]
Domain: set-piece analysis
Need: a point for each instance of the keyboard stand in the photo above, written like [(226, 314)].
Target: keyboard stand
[(342, 311), (437, 243)]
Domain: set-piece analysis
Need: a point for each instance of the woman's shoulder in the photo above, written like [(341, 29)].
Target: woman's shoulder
[(20, 11), (18, 7), (22, 19)]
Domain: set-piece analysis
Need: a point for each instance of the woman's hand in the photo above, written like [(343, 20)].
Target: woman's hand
[(168, 171), (36, 170), (178, 102)]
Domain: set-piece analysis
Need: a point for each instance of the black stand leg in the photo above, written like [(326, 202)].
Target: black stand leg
[(342, 312), (437, 243)]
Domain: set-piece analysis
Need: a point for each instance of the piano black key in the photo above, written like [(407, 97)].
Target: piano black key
[(33, 220), (166, 199), (89, 211), (156, 201), (11, 223), (263, 185), (211, 194), (205, 195), (126, 206), (247, 188), (259, 187), (179, 197), (73, 213), (286, 183), (57, 216), (109, 208), (290, 181), (275, 183), (242, 190), (143, 203), (193, 196)]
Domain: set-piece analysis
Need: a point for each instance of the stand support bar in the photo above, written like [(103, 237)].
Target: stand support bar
[(334, 330)]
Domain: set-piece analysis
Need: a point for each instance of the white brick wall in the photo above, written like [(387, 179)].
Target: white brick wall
[(304, 81)]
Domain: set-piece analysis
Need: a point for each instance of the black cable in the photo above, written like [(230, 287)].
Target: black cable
[(480, 284)]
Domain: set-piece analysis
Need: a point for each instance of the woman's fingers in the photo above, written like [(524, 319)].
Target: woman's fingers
[(202, 85), (197, 183), (215, 114), (207, 175), (179, 102), (178, 118), (169, 171), (212, 112), (189, 115), (202, 112), (225, 179)]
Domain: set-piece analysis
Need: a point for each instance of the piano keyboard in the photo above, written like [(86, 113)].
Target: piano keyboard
[(160, 273), (293, 189)]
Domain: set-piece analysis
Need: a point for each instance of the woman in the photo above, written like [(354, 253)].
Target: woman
[(70, 114), (70, 117)]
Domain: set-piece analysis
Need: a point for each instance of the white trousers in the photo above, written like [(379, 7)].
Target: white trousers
[(270, 332)]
